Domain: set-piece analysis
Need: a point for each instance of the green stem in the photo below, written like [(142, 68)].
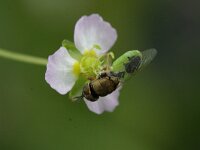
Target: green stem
[(22, 57)]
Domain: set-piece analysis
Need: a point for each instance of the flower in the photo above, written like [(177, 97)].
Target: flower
[(93, 37)]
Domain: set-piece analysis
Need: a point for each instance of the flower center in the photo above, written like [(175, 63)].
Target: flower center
[(90, 53), (90, 64), (76, 68)]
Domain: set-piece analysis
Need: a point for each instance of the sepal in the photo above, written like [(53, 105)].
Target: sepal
[(73, 51)]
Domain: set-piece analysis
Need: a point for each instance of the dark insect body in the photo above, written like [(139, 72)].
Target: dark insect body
[(133, 64), (100, 87)]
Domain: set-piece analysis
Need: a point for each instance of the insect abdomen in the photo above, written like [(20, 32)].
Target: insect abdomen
[(105, 86), (89, 93)]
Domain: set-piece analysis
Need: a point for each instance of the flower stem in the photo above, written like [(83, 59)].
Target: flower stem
[(22, 57)]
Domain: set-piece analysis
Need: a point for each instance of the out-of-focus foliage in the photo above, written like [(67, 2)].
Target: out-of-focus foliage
[(159, 107)]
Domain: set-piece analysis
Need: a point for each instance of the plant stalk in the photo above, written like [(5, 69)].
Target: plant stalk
[(22, 57)]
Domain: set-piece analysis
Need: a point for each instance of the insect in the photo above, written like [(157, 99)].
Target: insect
[(132, 62), (102, 86), (122, 69)]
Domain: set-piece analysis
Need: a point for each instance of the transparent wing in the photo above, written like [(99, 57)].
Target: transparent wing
[(147, 56)]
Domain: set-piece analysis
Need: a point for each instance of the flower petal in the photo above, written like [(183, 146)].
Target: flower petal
[(92, 32), (59, 73), (107, 103)]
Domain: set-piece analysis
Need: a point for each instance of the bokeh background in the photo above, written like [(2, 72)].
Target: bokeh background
[(159, 108)]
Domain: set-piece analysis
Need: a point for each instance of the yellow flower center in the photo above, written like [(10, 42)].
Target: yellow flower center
[(76, 68), (90, 63), (90, 53)]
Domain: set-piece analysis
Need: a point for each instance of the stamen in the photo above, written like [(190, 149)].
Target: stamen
[(90, 53)]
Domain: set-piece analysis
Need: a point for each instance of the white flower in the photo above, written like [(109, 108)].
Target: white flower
[(107, 103), (93, 37)]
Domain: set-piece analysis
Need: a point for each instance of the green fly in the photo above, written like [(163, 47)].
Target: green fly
[(131, 62)]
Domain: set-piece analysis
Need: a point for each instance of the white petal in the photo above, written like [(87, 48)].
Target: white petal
[(107, 103), (93, 30), (59, 73)]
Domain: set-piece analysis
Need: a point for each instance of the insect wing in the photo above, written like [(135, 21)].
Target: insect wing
[(147, 56)]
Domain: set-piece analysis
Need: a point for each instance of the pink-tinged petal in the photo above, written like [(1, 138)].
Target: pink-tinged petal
[(59, 73), (107, 103), (93, 30)]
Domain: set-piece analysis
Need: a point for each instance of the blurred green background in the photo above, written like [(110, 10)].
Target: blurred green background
[(159, 108)]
